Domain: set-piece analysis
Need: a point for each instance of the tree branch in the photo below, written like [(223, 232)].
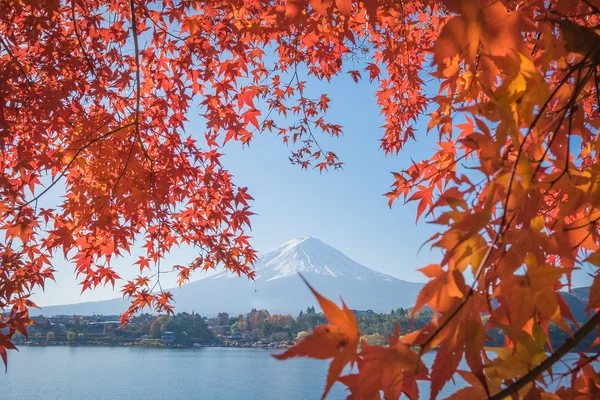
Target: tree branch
[(567, 346), (80, 41), (16, 61), (137, 80), (55, 181)]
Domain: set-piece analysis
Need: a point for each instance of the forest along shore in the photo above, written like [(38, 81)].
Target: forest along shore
[(256, 329)]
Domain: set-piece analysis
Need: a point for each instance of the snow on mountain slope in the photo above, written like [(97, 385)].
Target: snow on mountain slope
[(278, 287), (308, 256)]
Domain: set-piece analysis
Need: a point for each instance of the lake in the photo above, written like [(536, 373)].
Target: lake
[(127, 373), (94, 373)]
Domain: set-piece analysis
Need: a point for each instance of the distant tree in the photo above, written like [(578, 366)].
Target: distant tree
[(374, 340), (308, 321), (301, 335), (251, 336), (222, 318), (70, 336), (50, 336), (189, 326), (240, 324), (279, 337), (279, 320), (38, 336), (171, 325), (156, 326), (80, 336), (18, 337), (255, 318), (277, 323), (141, 322)]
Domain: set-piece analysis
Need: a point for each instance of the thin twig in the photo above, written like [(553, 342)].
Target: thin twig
[(80, 41)]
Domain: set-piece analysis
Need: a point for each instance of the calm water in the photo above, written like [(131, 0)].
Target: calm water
[(94, 373)]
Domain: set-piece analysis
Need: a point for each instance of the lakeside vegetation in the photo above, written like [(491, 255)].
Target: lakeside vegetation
[(258, 328)]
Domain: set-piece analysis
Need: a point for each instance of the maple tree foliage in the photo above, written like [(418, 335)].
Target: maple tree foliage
[(94, 97)]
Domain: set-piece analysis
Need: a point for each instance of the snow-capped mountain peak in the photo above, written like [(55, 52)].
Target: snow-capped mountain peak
[(311, 256), (277, 286)]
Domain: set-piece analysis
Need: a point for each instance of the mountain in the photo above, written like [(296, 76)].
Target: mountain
[(278, 287), (577, 300), (582, 293)]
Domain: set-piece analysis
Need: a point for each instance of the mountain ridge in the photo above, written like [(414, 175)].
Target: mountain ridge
[(277, 286)]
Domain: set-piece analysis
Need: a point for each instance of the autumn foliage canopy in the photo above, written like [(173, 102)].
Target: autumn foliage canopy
[(94, 97)]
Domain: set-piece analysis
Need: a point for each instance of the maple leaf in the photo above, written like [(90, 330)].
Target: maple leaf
[(64, 236), (345, 6), (321, 6), (337, 340), (392, 370), (444, 366), (143, 262), (5, 344), (293, 8)]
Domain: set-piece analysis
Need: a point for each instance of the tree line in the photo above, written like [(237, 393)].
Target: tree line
[(256, 325)]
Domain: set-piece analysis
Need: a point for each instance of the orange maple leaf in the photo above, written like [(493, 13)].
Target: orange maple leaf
[(337, 340), (392, 370)]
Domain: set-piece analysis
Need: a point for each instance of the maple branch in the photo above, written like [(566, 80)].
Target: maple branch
[(80, 42), (568, 108), (271, 108), (467, 297), (55, 181), (16, 61), (439, 171), (114, 189), (578, 88), (301, 91), (593, 7), (137, 80), (597, 82), (589, 360), (566, 347), (302, 98), (303, 104)]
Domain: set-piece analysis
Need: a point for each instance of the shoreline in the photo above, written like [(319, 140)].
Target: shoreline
[(171, 347), (154, 345)]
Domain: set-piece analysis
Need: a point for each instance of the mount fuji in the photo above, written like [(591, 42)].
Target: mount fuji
[(278, 287)]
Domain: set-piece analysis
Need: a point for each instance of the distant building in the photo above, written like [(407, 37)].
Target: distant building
[(363, 312), (59, 319), (167, 338), (109, 326)]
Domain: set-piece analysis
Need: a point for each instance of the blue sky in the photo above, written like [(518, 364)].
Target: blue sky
[(345, 209)]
